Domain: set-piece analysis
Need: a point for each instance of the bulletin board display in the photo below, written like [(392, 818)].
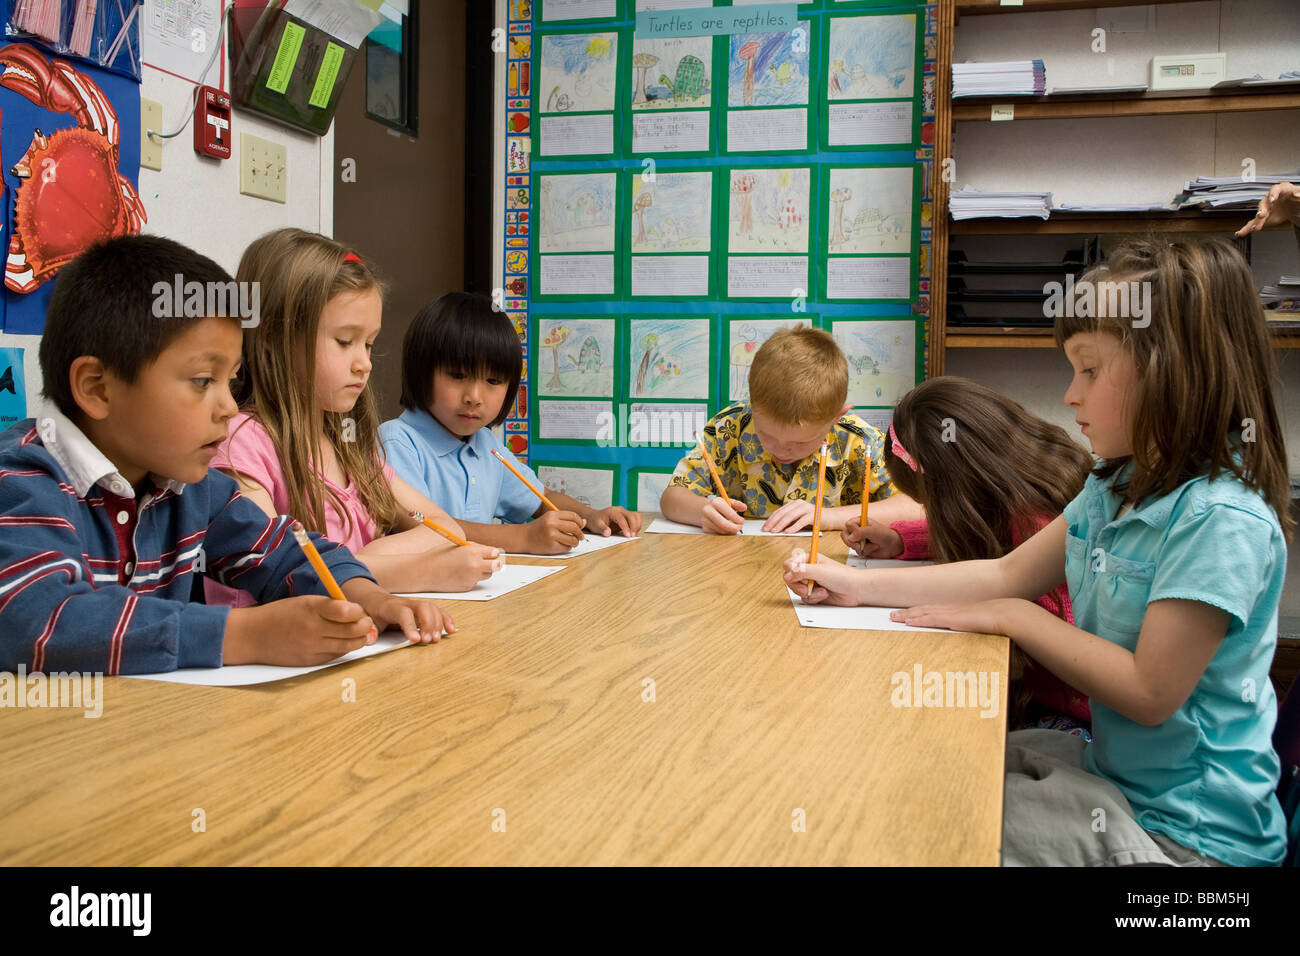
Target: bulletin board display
[(674, 194)]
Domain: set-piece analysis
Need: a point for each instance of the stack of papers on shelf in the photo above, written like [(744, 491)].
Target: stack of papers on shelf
[(970, 203), (1230, 191), (1113, 206), (1013, 78)]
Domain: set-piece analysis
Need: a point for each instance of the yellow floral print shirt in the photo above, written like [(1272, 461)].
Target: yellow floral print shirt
[(751, 474)]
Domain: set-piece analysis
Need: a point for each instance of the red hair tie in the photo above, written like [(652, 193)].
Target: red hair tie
[(352, 257)]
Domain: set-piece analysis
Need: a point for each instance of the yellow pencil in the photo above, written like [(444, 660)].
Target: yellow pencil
[(304, 542), (434, 526), (866, 493), (545, 500), (717, 480), (817, 507)]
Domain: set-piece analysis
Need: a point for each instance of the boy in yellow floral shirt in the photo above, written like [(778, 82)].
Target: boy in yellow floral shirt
[(765, 449)]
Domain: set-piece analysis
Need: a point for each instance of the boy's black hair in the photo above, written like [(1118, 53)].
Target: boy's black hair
[(104, 305), (460, 332)]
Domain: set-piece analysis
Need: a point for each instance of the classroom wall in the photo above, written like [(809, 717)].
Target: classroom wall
[(1130, 159), (406, 210), (196, 199)]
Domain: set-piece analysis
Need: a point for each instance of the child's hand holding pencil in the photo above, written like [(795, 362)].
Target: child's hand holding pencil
[(875, 539)]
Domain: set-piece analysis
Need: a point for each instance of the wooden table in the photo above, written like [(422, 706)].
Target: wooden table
[(536, 717)]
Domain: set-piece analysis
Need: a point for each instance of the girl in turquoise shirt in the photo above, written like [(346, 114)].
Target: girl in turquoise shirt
[(1174, 554)]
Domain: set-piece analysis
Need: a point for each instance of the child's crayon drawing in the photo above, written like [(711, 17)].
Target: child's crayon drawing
[(746, 336), (871, 57), (594, 487), (675, 73), (581, 359), (769, 69), (579, 72), (870, 210), (650, 487), (670, 213), (576, 213), (769, 210), (669, 358), (882, 359)]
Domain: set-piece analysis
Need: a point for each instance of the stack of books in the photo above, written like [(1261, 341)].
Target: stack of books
[(1229, 192), (970, 203), (1013, 78), (1284, 296)]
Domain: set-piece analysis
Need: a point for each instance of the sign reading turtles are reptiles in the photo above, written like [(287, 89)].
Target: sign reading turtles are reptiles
[(707, 21)]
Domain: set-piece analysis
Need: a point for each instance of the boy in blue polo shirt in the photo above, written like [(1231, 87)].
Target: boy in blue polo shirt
[(109, 508)]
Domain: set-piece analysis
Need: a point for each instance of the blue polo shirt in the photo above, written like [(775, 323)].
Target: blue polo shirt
[(462, 477), (1207, 776)]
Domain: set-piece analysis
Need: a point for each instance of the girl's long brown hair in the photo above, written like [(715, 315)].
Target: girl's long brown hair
[(990, 467), (1204, 403), (299, 272)]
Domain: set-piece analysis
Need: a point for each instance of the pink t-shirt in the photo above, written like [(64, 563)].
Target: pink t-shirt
[(250, 451)]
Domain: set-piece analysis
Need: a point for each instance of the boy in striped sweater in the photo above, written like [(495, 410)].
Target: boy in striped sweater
[(108, 507)]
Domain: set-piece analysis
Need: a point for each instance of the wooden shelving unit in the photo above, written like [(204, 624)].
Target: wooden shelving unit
[(948, 113), (1084, 106)]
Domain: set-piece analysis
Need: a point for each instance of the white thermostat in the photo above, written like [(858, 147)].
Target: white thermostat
[(1199, 71)]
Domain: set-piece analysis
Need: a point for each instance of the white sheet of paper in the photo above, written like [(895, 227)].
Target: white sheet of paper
[(168, 37), (670, 275), (670, 132), (241, 675), (767, 277), (753, 526), (553, 10), (886, 277), (574, 419), (349, 22), (869, 124), (577, 275), (578, 135), (851, 618), (661, 423), (590, 543), (749, 130), (510, 578)]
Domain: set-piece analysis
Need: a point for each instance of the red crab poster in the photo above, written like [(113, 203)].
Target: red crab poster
[(70, 153)]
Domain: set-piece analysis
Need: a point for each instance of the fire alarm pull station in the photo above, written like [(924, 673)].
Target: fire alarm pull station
[(212, 123)]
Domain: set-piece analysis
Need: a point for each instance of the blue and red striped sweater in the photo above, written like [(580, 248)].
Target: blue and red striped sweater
[(94, 579)]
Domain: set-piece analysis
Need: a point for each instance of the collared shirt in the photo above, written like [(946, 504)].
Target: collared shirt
[(750, 474), (93, 578), (461, 477), (1206, 776)]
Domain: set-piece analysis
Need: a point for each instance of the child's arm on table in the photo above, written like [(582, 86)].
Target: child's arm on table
[(1147, 686), (797, 514), (712, 514), (603, 520)]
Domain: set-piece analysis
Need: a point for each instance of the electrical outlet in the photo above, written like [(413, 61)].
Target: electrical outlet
[(262, 168), (150, 149)]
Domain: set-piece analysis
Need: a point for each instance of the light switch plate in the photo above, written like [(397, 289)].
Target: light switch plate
[(150, 149), (262, 168)]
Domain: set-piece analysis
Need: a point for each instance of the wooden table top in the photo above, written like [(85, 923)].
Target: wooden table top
[(529, 738)]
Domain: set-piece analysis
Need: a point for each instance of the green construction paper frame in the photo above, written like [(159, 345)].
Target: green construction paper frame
[(628, 219), (717, 78), (823, 95), (724, 258), (536, 256), (918, 345), (823, 239), (539, 96), (814, 57), (536, 373)]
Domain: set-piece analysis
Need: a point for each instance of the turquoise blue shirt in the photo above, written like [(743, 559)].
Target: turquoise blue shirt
[(461, 477), (1207, 776)]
